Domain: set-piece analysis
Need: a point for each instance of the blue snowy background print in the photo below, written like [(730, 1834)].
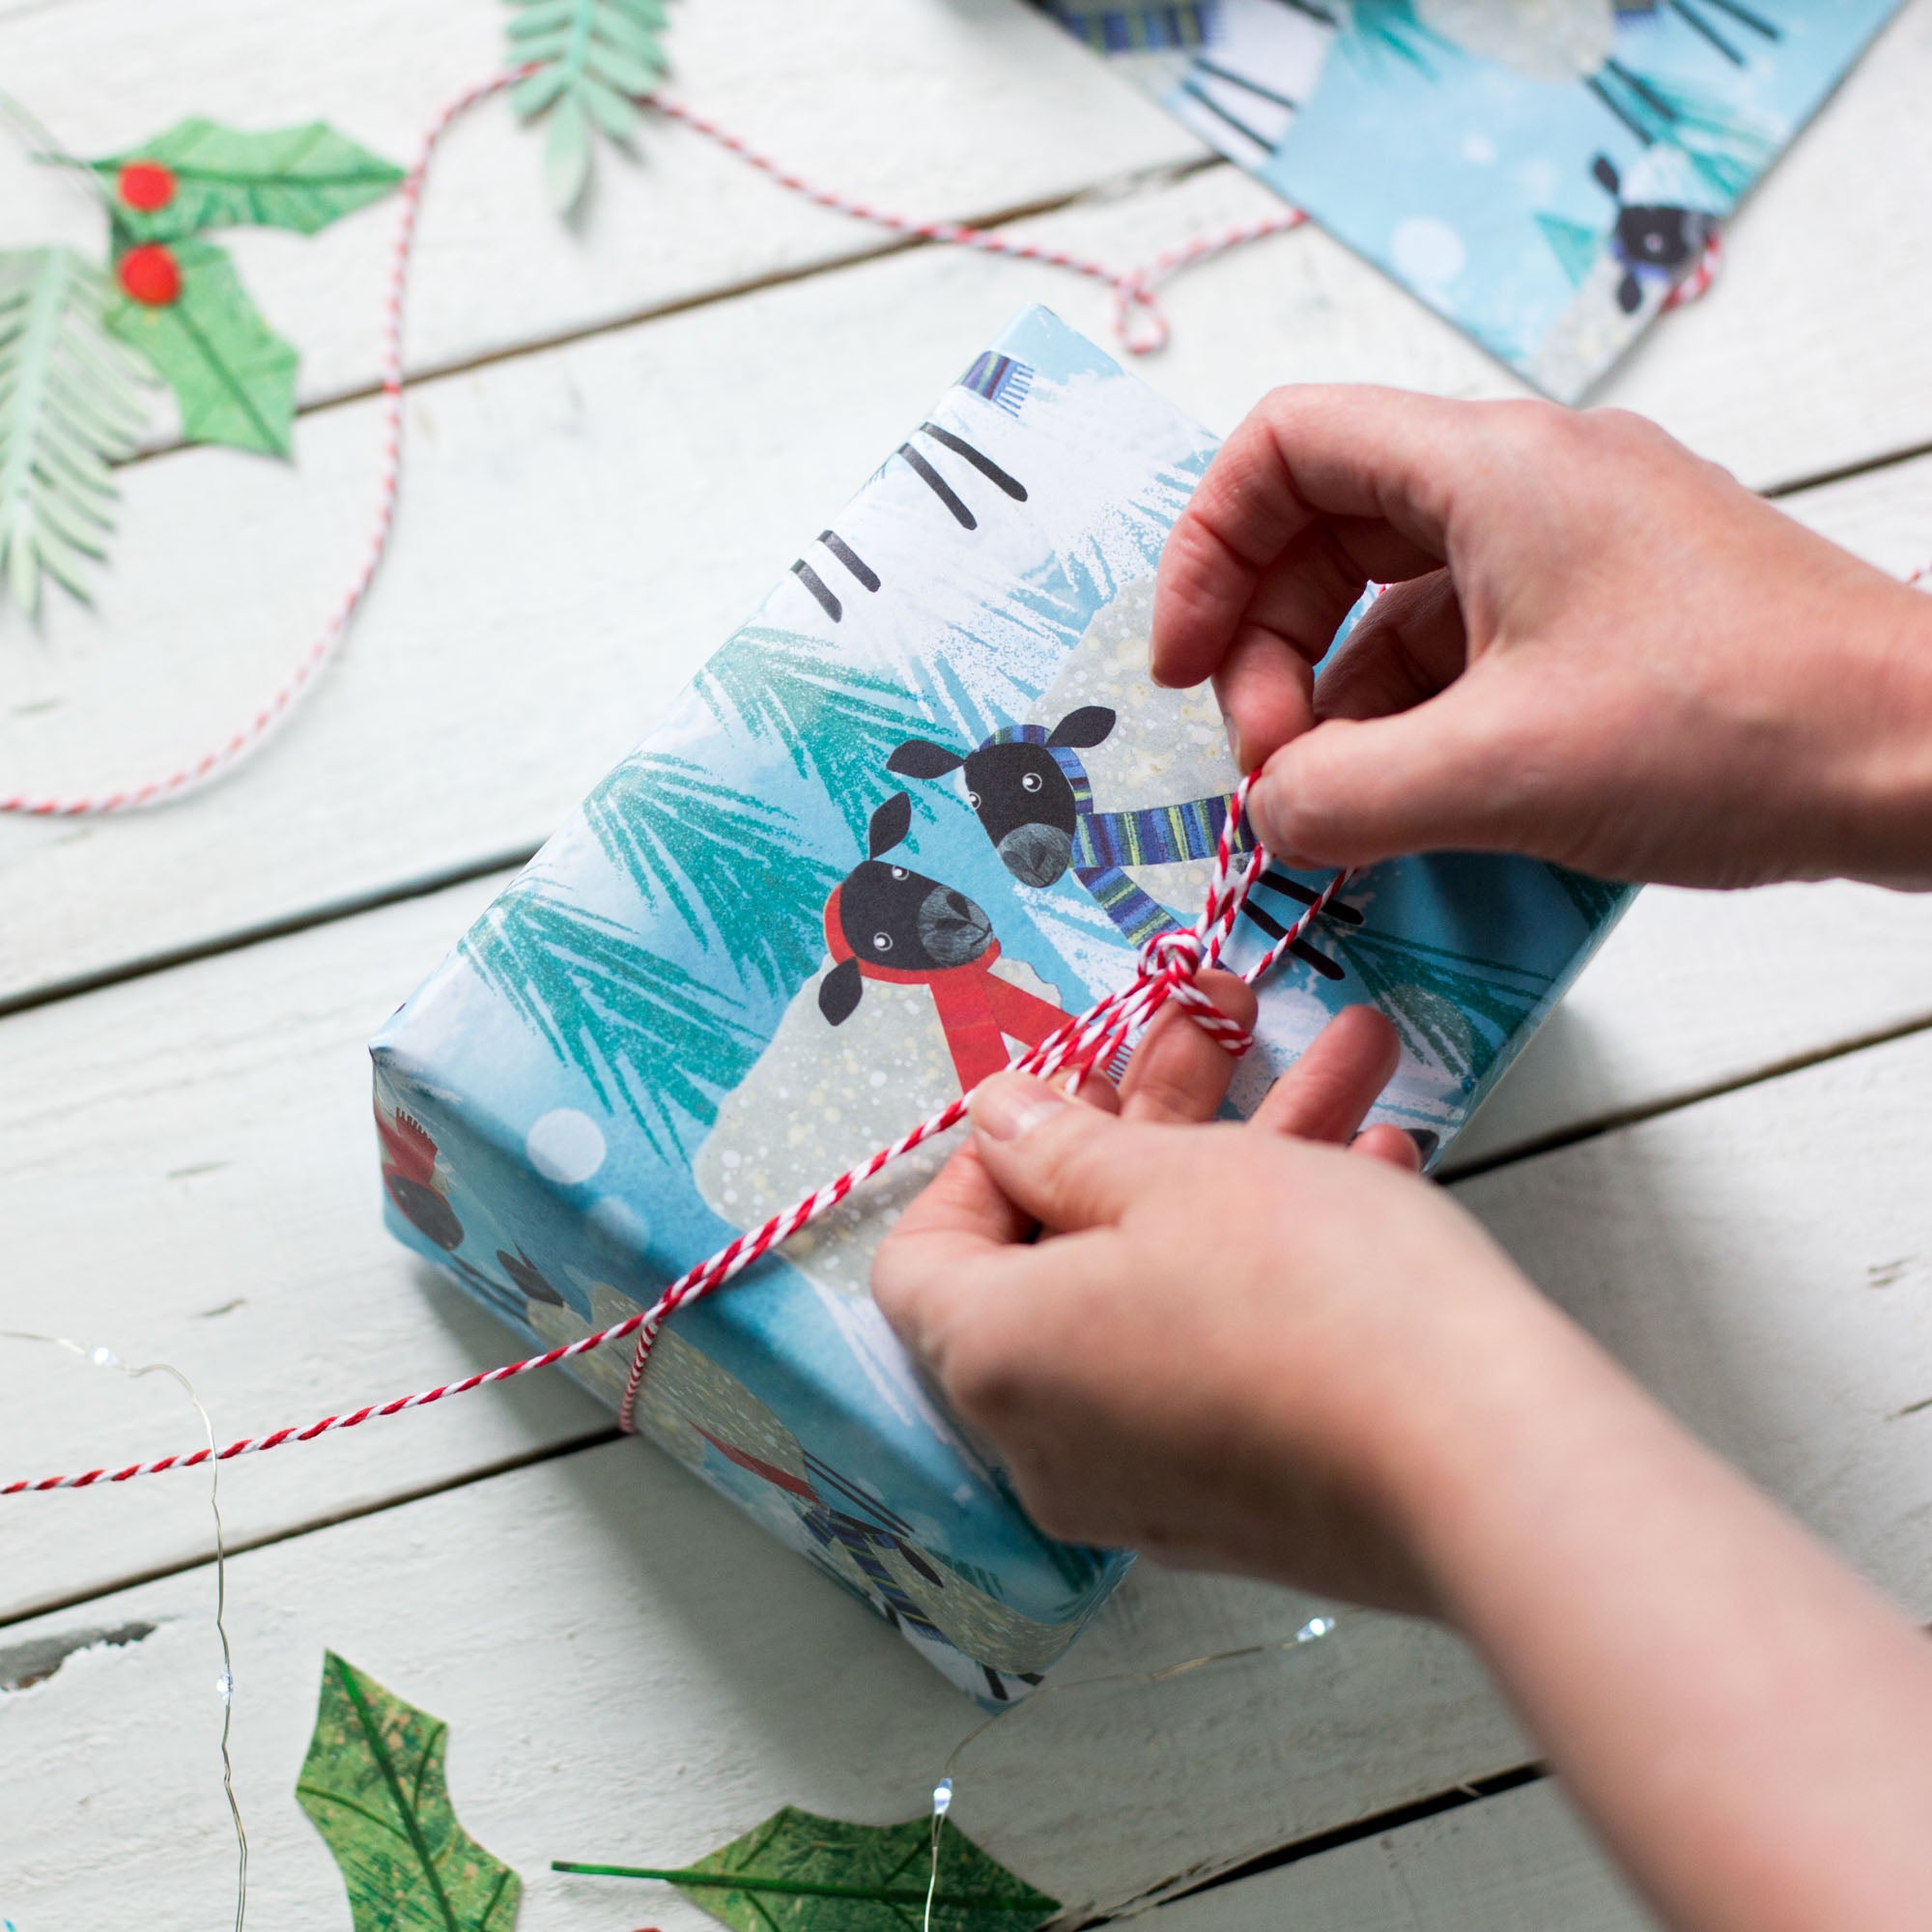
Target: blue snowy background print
[(1542, 171)]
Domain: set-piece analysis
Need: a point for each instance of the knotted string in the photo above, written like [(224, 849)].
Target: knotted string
[(1167, 970)]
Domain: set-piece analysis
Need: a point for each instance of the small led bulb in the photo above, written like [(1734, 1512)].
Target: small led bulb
[(104, 1358), (942, 1798)]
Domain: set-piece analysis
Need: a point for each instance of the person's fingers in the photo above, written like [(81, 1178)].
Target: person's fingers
[(1406, 646), (1068, 1166), (1177, 1074), (1409, 644), (1388, 1145), (1382, 465), (961, 1213), (1469, 770), (963, 1207), (1267, 694), (1324, 1095), (960, 1236)]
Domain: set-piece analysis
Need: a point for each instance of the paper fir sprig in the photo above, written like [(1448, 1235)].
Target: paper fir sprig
[(71, 401), (71, 404), (373, 1785), (591, 62)]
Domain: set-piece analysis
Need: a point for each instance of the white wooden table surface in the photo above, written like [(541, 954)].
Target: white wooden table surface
[(1713, 1157)]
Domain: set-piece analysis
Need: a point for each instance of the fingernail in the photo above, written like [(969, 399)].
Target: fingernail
[(1234, 732), (1005, 1110)]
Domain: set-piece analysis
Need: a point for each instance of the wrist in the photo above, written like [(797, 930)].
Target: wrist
[(1508, 1441), (1881, 788)]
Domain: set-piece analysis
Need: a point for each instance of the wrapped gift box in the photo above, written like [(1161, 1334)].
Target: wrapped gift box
[(926, 804)]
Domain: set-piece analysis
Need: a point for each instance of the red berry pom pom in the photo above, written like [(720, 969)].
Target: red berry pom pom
[(147, 186), (150, 274)]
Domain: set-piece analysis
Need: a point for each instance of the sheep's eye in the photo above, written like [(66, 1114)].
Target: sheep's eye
[(1030, 781), (882, 942), (973, 798), (897, 872)]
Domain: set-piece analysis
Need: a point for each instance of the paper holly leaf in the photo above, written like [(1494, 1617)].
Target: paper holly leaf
[(591, 62), (202, 175), (803, 1873), (71, 403), (373, 1785), (185, 309)]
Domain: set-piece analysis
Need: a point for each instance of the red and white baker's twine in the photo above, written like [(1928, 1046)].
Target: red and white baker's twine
[(1133, 296), (1168, 967), (251, 736)]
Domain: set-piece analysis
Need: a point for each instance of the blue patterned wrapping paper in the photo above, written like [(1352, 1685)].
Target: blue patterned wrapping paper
[(657, 1037), (1540, 172)]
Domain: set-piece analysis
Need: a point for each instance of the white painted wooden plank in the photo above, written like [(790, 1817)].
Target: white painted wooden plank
[(633, 1672), (1808, 358), (1753, 1259), (949, 111), (579, 529), (1517, 1863)]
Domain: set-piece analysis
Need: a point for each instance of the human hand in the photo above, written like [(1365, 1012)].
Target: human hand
[(1231, 1346), (1597, 648)]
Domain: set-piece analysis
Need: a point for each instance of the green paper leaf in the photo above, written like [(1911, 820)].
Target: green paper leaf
[(373, 1786), (567, 152), (299, 177), (71, 404), (234, 378), (591, 62), (799, 1872)]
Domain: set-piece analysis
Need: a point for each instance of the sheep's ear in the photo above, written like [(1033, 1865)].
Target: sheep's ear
[(840, 990), (889, 824), (1604, 170), (921, 758), (1083, 728)]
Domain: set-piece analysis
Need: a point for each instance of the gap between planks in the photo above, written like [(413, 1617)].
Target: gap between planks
[(234, 1547)]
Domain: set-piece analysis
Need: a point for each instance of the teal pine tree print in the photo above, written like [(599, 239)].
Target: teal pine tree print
[(726, 864), (1595, 899), (833, 721), (1448, 1007), (646, 1034)]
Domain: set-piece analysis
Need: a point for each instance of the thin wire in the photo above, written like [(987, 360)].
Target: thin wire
[(942, 1793), (107, 1358)]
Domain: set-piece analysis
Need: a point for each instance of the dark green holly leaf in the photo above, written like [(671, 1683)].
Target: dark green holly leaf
[(202, 175), (372, 1785), (798, 1872), (234, 378)]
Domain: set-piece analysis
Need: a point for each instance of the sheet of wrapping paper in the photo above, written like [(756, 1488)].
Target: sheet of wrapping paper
[(1542, 171), (783, 931)]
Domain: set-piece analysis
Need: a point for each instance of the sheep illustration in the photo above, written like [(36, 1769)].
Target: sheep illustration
[(916, 1004), (1033, 793), (1651, 239), (890, 925)]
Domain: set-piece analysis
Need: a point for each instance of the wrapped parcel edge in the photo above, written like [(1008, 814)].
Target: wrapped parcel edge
[(924, 806)]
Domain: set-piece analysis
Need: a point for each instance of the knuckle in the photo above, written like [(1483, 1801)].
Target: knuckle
[(984, 1373)]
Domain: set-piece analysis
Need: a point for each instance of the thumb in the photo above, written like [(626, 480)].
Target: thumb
[(1067, 1165), (1454, 772)]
